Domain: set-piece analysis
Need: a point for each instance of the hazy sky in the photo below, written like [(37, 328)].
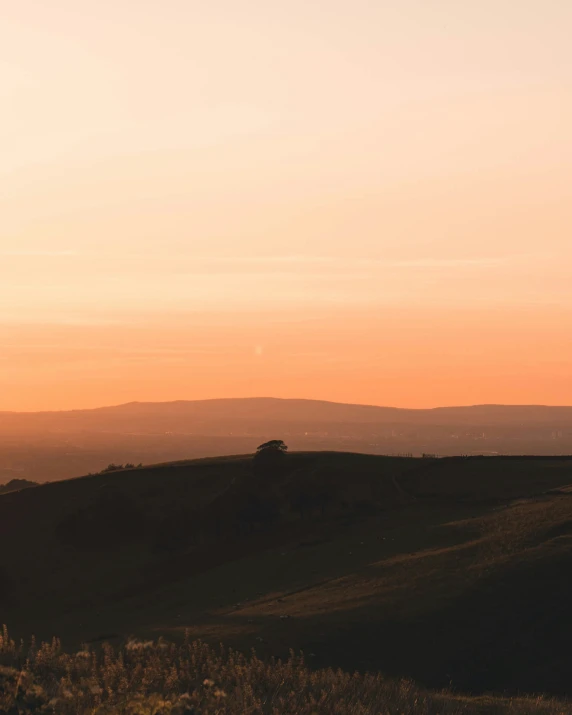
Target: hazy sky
[(359, 201)]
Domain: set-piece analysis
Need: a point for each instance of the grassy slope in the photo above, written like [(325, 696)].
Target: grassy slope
[(463, 577), (168, 679)]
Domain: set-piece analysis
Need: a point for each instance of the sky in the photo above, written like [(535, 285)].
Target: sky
[(357, 201)]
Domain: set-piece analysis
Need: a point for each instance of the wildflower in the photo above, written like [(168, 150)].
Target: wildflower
[(5, 671), (138, 645)]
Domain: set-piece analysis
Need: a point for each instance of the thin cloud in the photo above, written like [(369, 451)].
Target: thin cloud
[(442, 262), (356, 262), (300, 259), (37, 254), (266, 260), (287, 261)]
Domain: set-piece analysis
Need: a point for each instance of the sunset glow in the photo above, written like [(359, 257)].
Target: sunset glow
[(362, 202)]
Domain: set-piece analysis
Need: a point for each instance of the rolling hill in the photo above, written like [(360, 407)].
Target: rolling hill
[(450, 571)]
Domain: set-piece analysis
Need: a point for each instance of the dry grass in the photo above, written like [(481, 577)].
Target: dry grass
[(161, 677)]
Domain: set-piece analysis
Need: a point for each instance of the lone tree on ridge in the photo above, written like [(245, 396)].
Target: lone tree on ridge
[(276, 445), (270, 454)]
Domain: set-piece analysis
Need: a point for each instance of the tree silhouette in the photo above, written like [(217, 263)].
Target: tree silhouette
[(269, 456), (276, 445)]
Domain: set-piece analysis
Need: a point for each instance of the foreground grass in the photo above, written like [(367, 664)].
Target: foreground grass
[(154, 678)]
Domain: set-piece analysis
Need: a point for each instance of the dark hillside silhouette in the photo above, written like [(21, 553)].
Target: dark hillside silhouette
[(447, 570)]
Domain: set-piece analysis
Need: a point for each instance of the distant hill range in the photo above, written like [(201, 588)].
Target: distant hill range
[(224, 415), (47, 446)]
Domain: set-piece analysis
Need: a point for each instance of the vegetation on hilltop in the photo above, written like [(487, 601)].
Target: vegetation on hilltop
[(117, 467), (15, 485)]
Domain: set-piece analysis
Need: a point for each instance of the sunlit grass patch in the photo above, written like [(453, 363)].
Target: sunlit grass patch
[(158, 677)]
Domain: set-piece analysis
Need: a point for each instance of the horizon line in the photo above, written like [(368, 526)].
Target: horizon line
[(281, 399)]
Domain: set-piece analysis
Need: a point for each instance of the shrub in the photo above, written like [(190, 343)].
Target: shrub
[(118, 467)]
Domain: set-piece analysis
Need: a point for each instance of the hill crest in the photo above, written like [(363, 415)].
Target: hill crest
[(324, 409)]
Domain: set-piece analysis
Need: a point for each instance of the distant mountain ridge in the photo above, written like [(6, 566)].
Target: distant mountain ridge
[(202, 414)]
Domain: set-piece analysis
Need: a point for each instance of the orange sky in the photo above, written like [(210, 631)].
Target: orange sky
[(357, 201)]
